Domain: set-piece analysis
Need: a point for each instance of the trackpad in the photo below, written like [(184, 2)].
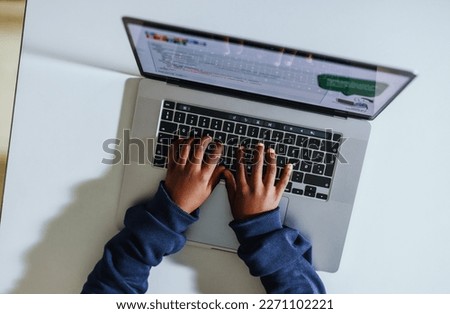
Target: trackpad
[(215, 214)]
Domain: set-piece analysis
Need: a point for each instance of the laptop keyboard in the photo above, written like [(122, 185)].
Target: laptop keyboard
[(313, 153)]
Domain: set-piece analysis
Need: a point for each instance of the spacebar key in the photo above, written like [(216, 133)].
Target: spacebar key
[(317, 180), (168, 127)]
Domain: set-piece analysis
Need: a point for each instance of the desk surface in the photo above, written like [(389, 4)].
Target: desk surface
[(75, 91)]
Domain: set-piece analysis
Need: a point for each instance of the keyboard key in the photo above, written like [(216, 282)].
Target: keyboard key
[(288, 187), (289, 128), (269, 144), (294, 162), (192, 119), (183, 131), (168, 127), (160, 161), (317, 156), (246, 142), (196, 132), (169, 104), (216, 124), (289, 138), (297, 176), (329, 169), (203, 122), (161, 150), (234, 117), (337, 137), (306, 154), (310, 191), (167, 115), (228, 127), (180, 117), (241, 129), (321, 196), (305, 166), (277, 136), (318, 169), (207, 132), (317, 180), (183, 107), (230, 151), (245, 119), (281, 149), (281, 161), (313, 143), (265, 134), (330, 159), (220, 137), (232, 140), (165, 139), (293, 151), (258, 122), (253, 131), (297, 191), (302, 141), (271, 125), (314, 133), (328, 146)]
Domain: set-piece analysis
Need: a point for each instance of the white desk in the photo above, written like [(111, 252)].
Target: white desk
[(60, 200)]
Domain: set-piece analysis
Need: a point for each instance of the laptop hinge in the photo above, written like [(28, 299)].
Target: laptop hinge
[(173, 81), (340, 114)]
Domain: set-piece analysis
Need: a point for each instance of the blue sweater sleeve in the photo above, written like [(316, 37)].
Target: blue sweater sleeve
[(277, 254), (152, 230)]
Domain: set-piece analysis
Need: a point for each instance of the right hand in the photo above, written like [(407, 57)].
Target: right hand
[(253, 194)]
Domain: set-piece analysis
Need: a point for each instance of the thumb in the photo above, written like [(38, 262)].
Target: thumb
[(215, 176)]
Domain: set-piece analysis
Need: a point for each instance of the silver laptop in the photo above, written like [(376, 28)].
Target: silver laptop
[(312, 109)]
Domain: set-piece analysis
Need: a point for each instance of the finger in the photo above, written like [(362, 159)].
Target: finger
[(184, 150), (241, 175), (230, 183), (213, 158), (271, 172), (258, 162), (284, 180), (199, 150), (216, 175), (173, 152)]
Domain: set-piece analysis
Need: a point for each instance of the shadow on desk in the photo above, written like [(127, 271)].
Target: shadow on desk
[(73, 242)]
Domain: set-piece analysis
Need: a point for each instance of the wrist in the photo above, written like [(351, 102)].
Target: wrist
[(257, 225), (168, 212)]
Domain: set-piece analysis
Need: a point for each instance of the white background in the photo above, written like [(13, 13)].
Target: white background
[(73, 94)]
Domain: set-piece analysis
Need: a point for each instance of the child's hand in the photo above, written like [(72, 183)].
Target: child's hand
[(191, 176), (250, 195)]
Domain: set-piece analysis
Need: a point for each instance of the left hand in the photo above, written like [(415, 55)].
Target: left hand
[(192, 176)]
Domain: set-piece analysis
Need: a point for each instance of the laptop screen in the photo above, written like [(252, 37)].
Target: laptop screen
[(300, 78)]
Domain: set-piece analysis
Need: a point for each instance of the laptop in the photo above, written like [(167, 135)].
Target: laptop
[(313, 109)]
